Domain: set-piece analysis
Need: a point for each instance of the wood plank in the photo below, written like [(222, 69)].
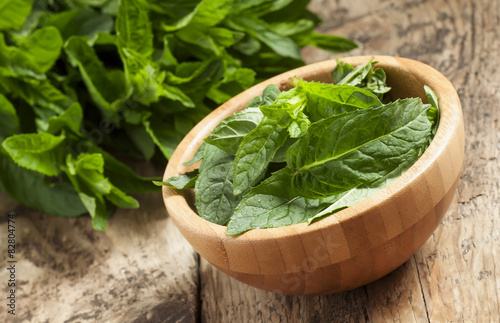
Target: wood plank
[(454, 276), (140, 269)]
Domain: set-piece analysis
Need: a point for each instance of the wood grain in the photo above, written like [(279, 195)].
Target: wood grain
[(454, 277), (138, 270)]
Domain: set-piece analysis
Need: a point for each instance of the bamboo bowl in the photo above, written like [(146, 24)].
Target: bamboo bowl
[(356, 245)]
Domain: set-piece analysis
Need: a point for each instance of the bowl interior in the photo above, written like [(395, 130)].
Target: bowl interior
[(403, 83)]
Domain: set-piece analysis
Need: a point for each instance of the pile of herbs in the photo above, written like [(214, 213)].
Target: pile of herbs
[(299, 155), (84, 81)]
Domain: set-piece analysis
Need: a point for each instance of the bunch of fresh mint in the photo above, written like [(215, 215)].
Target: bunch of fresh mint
[(82, 81), (302, 154)]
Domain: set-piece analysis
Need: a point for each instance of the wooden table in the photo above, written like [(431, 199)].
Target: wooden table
[(142, 270)]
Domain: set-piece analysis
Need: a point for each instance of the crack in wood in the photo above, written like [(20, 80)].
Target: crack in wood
[(422, 290)]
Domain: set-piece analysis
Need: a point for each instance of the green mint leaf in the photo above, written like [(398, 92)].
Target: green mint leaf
[(270, 94), (30, 188), (13, 13), (330, 43), (147, 80), (215, 200), (339, 153), (142, 139), (104, 87), (202, 15), (434, 112), (341, 71), (167, 58), (120, 199), (133, 27), (96, 206), (75, 22), (265, 7), (199, 38), (122, 176), (376, 82), (36, 53), (211, 12), (362, 192), (303, 27), (286, 108), (197, 156), (163, 136), (44, 47), (93, 3), (233, 83), (256, 151), (357, 75), (325, 100), (9, 121), (225, 37), (229, 134), (254, 103), (40, 152), (70, 119), (184, 181), (86, 173), (431, 97), (299, 126), (273, 204), (260, 30), (36, 93), (280, 156)]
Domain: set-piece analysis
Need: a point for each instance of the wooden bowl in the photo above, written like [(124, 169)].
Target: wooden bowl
[(356, 245)]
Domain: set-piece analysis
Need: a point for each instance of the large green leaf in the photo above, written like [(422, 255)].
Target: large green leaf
[(339, 153), (326, 100), (256, 151), (133, 27), (9, 121), (83, 22), (86, 173), (148, 81), (104, 87), (33, 57), (215, 200), (329, 43), (362, 192), (260, 7), (43, 47), (13, 13), (258, 29), (36, 93), (163, 135), (229, 134), (71, 119), (121, 175), (30, 188), (202, 15), (142, 140), (273, 204), (184, 181), (354, 76), (40, 152)]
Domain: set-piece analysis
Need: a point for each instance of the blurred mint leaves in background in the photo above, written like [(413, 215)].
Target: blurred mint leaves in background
[(84, 81)]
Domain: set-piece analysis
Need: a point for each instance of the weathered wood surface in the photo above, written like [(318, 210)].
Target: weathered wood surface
[(139, 270), (142, 270)]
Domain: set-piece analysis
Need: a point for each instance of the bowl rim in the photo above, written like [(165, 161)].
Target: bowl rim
[(450, 120)]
